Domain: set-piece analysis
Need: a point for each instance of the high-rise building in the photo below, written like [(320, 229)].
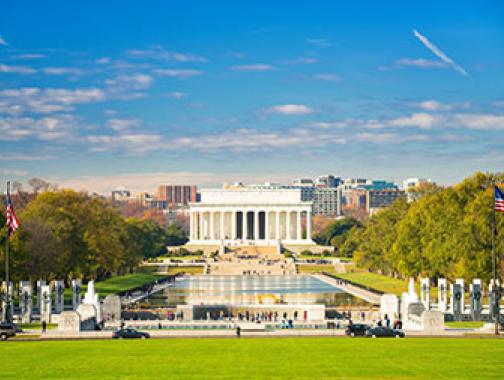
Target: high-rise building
[(378, 199), (171, 196), (328, 181)]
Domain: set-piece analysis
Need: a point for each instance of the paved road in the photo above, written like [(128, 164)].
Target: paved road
[(351, 289)]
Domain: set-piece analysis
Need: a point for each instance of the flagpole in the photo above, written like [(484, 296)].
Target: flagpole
[(7, 311), (494, 266)]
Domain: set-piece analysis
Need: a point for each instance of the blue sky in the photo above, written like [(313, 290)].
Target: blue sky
[(100, 94)]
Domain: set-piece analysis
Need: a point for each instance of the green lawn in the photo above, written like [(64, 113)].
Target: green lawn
[(255, 358), (185, 269), (123, 283), (314, 268), (384, 283), (464, 325)]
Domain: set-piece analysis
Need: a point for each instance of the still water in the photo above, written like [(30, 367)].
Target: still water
[(250, 290)]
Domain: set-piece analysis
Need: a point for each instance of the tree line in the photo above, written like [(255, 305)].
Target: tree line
[(445, 232), (66, 234)]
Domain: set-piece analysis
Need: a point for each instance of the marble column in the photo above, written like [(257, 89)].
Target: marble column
[(233, 225), (256, 225), (201, 225), (277, 225), (212, 225), (266, 225), (298, 226), (222, 214), (288, 226), (244, 225), (308, 225)]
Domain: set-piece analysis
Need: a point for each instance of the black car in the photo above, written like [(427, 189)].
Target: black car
[(384, 332), (129, 333), (357, 329)]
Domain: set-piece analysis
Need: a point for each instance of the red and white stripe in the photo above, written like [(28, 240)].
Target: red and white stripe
[(12, 220), (499, 205)]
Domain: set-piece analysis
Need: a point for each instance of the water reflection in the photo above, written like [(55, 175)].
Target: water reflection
[(251, 290)]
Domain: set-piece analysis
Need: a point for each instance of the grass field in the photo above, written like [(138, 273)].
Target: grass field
[(254, 358), (185, 269), (383, 283), (313, 268), (123, 283)]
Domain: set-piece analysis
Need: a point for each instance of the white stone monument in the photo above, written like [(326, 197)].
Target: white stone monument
[(111, 307), (59, 296), (45, 304), (91, 298), (407, 299), (389, 305), (425, 292), (442, 294), (26, 301), (457, 298), (432, 321), (7, 293), (69, 322), (76, 293), (40, 283), (476, 296), (87, 314)]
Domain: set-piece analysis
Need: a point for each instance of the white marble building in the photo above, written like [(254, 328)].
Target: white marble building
[(240, 215)]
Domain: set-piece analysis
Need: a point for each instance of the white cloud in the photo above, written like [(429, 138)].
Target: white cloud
[(328, 124), (290, 109), (389, 138), (135, 143), (480, 121), (420, 62), (3, 42), (433, 105), (176, 95), (16, 69), (254, 67), (103, 60), (177, 73), (440, 54), (28, 56), (13, 172), (23, 157), (421, 120), (302, 61), (120, 125), (63, 71), (130, 81), (328, 77), (47, 128), (158, 52), (37, 100)]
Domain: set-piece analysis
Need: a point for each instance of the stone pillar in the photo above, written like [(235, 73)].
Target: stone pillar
[(45, 304), (59, 296), (442, 285), (40, 283), (266, 225), (308, 225), (26, 301), (191, 225), (245, 225), (288, 226), (256, 224), (425, 292), (277, 225), (222, 235), (457, 298), (76, 293), (298, 226), (212, 225), (233, 225), (476, 299), (7, 293), (493, 300), (201, 223)]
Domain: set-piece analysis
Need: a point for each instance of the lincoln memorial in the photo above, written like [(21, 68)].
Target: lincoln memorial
[(244, 216)]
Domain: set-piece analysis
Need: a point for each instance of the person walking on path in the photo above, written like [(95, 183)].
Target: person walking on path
[(44, 326)]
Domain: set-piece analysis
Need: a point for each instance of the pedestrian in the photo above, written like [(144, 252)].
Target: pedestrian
[(238, 331), (44, 326)]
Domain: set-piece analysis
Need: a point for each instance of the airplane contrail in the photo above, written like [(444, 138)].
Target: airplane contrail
[(439, 53)]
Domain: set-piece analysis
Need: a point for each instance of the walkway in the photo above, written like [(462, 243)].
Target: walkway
[(135, 298), (364, 294)]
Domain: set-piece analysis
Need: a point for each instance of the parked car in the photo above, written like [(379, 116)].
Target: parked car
[(8, 330), (357, 329), (129, 333), (384, 332)]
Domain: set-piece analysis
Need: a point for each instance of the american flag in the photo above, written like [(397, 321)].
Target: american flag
[(499, 200), (12, 221)]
